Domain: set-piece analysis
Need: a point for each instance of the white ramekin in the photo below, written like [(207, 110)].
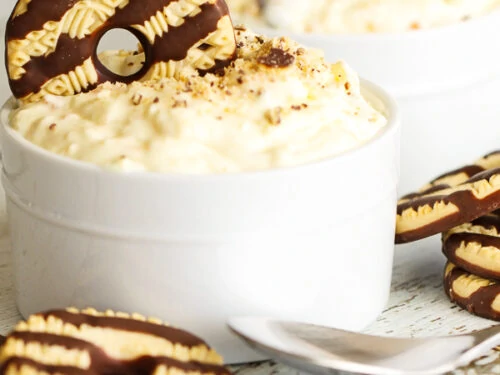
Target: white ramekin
[(446, 82), (312, 243)]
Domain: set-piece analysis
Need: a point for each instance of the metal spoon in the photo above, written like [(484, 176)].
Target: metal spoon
[(323, 350)]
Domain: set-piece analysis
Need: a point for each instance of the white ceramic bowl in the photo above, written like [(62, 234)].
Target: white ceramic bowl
[(312, 243), (446, 81)]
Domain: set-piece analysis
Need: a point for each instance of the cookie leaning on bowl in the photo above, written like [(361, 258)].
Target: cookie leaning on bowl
[(450, 200), (89, 342)]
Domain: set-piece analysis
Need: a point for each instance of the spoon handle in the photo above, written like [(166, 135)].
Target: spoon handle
[(484, 341)]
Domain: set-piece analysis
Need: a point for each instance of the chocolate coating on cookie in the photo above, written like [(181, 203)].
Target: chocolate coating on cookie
[(442, 210), (459, 175), (475, 246), (451, 199), (477, 295), (100, 361), (89, 342), (52, 49), (126, 324)]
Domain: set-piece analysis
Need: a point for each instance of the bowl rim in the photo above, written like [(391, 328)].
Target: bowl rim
[(390, 110), (386, 37)]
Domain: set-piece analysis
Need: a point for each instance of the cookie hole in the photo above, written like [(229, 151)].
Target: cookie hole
[(121, 52)]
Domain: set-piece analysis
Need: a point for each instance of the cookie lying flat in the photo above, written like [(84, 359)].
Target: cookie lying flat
[(448, 180), (479, 296), (458, 176), (442, 207), (89, 342), (475, 246)]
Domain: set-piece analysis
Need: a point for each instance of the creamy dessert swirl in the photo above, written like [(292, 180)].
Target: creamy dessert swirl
[(277, 104)]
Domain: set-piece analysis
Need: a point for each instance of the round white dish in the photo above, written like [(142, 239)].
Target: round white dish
[(312, 243), (446, 81)]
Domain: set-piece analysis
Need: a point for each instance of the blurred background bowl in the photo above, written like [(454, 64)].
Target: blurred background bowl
[(446, 81)]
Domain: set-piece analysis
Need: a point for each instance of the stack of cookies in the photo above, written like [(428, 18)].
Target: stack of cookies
[(463, 205)]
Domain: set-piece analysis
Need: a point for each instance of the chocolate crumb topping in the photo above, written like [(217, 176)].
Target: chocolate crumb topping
[(277, 58)]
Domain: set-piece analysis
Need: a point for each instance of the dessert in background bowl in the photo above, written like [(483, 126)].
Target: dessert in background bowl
[(358, 16), (444, 73), (266, 189)]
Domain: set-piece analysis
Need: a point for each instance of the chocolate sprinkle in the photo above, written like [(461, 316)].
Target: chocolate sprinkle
[(277, 58)]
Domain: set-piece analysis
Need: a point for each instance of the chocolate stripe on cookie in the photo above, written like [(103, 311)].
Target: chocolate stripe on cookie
[(468, 251), (101, 363), (475, 246), (468, 171), (430, 190), (16, 363), (141, 366), (439, 211), (194, 29), (477, 295), (125, 324), (39, 13), (458, 176), (489, 221), (492, 154), (41, 69), (173, 45), (60, 58), (68, 342)]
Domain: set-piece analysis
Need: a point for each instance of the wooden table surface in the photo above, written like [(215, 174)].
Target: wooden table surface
[(418, 306)]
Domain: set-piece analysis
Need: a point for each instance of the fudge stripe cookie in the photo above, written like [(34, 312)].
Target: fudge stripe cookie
[(442, 207), (94, 319), (475, 246), (458, 176), (477, 295), (89, 342), (53, 49)]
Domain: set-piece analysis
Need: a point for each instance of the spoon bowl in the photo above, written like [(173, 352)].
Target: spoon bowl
[(324, 350)]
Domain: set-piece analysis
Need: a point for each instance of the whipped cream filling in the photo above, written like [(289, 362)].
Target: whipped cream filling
[(362, 16), (277, 105)]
